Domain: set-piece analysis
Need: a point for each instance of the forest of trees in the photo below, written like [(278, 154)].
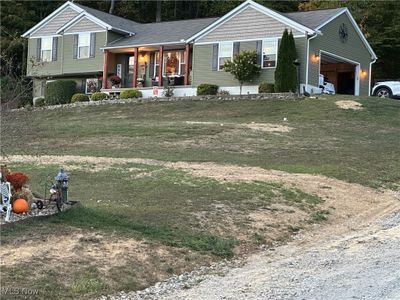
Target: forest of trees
[(379, 21)]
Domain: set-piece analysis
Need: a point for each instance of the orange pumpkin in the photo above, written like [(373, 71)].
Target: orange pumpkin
[(20, 206)]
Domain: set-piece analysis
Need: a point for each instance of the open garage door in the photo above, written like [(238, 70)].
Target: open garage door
[(341, 72)]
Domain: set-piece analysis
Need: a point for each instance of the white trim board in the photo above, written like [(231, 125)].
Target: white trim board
[(51, 16), (247, 40), (243, 6), (79, 17)]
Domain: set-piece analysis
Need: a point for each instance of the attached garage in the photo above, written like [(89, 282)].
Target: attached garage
[(340, 52), (341, 72)]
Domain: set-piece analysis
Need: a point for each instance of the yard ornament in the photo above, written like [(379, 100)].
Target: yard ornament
[(5, 191)]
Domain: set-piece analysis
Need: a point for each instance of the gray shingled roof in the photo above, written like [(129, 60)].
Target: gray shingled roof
[(175, 31), (314, 18), (163, 32), (115, 21)]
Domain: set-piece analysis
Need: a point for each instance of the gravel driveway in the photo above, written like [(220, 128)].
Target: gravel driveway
[(362, 263)]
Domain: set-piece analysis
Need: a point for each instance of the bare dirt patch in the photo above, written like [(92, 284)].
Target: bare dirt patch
[(265, 127), (79, 249), (347, 199), (349, 104)]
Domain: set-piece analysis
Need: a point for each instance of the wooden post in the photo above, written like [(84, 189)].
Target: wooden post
[(135, 66), (160, 65), (105, 69), (187, 72)]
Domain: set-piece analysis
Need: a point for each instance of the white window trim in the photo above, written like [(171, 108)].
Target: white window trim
[(219, 51), (79, 38), (262, 52), (51, 49), (181, 58)]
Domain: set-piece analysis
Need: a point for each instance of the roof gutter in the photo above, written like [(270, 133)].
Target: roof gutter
[(144, 45)]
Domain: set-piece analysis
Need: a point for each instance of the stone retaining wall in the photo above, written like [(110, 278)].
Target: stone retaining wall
[(268, 96)]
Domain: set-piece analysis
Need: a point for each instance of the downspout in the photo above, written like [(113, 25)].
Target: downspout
[(62, 54), (369, 75), (308, 55)]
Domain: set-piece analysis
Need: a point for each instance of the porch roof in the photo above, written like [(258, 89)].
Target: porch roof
[(162, 33)]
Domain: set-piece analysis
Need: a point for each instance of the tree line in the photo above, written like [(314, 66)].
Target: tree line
[(379, 21)]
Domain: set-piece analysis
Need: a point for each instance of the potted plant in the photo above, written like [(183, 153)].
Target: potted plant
[(115, 80)]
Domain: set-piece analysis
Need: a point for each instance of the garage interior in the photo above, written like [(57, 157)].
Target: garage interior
[(339, 72)]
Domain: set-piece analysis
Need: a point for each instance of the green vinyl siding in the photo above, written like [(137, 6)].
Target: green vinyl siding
[(85, 65), (202, 65), (37, 68), (354, 49), (65, 63)]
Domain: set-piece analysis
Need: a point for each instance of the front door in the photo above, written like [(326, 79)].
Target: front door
[(128, 71)]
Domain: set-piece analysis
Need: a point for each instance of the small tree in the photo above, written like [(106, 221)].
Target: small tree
[(285, 73), (243, 67)]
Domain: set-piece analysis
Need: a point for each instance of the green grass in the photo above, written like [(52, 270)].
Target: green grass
[(356, 146), (195, 217)]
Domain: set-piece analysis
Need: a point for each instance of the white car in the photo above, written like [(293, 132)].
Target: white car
[(386, 89)]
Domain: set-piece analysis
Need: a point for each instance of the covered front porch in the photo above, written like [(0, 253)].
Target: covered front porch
[(147, 66)]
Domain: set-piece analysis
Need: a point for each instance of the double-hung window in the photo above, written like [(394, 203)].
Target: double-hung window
[(84, 45), (269, 53), (225, 52), (47, 48)]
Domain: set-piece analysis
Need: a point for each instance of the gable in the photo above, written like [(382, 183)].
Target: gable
[(346, 18), (248, 24), (84, 25), (355, 45), (51, 27)]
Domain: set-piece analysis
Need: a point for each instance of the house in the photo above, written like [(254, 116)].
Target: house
[(86, 45)]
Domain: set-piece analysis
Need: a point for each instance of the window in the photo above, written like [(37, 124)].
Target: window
[(224, 53), (83, 45), (47, 48), (182, 63), (131, 63), (173, 63), (269, 53), (156, 63), (92, 85)]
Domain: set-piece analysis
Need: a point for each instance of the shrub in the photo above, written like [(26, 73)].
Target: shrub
[(79, 97), (127, 94), (285, 72), (98, 96), (60, 91), (266, 87), (168, 91), (39, 102), (207, 89)]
